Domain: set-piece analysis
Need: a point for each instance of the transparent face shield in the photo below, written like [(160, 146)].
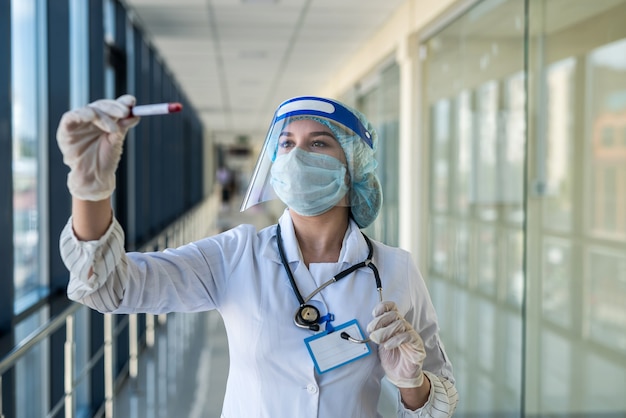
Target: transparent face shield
[(317, 129)]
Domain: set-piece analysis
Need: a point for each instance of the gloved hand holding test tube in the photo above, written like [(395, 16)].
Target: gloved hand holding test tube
[(91, 139)]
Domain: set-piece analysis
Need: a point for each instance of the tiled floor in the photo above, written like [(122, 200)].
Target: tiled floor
[(183, 375)]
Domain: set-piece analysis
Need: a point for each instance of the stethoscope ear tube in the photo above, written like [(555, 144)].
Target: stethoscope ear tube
[(347, 336)]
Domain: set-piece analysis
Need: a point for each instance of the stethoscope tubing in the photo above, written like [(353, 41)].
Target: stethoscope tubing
[(298, 320), (347, 336)]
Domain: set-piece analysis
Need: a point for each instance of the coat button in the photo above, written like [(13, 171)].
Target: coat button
[(311, 388)]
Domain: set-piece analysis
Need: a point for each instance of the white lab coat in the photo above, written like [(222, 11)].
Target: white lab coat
[(239, 273)]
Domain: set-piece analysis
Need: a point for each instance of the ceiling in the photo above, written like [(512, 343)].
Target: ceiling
[(236, 60)]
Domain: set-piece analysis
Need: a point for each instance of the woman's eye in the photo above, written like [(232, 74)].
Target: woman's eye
[(285, 144)]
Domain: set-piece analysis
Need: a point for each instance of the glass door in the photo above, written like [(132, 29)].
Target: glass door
[(524, 127), (474, 126), (576, 232)]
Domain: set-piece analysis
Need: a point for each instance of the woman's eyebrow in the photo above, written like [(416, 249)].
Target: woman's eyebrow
[(322, 133)]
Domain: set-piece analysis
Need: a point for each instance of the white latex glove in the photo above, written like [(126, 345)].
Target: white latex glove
[(400, 348), (91, 139)]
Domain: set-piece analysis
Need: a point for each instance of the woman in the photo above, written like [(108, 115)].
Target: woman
[(316, 313)]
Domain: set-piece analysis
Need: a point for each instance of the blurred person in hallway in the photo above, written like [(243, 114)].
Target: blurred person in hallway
[(226, 180), (316, 312)]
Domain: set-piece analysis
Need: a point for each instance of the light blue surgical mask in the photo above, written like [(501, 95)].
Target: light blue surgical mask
[(307, 182)]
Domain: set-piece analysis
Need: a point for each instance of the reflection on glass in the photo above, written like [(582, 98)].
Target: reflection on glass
[(475, 117), (24, 61), (389, 129), (460, 300), (512, 350), (487, 162), (461, 262), (557, 204), (580, 216), (108, 11), (440, 155), (488, 334), (464, 192), (440, 248), (567, 106), (514, 259), (511, 181), (381, 103), (32, 398), (556, 373), (606, 298), (604, 396), (607, 77), (109, 38), (79, 96), (486, 249), (557, 274)]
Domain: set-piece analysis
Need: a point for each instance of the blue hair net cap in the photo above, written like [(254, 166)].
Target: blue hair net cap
[(366, 195)]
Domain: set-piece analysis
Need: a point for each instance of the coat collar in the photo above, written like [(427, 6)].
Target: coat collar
[(353, 249)]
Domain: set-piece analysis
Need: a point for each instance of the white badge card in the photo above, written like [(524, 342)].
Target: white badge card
[(330, 351)]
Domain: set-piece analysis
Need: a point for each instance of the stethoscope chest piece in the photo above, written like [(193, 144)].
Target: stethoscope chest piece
[(307, 317)]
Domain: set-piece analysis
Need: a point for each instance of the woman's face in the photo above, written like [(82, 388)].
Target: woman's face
[(310, 136)]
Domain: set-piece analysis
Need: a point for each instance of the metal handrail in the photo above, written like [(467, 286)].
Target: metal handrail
[(40, 334), (66, 317), (179, 231)]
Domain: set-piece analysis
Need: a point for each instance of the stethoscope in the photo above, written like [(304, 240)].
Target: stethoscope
[(308, 316)]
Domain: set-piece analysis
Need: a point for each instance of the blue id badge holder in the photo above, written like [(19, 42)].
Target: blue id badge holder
[(329, 350)]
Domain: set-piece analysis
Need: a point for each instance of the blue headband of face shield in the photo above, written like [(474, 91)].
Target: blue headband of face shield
[(326, 108)]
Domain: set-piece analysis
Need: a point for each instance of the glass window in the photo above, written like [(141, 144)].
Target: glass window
[(486, 151), (475, 128), (559, 152), (463, 163), (79, 96), (109, 39), (512, 151), (556, 271), (26, 65), (607, 159), (381, 104), (576, 234), (439, 248), (32, 400), (487, 251), (462, 252), (440, 164), (108, 10), (388, 151), (605, 295), (79, 48), (514, 268), (546, 106)]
